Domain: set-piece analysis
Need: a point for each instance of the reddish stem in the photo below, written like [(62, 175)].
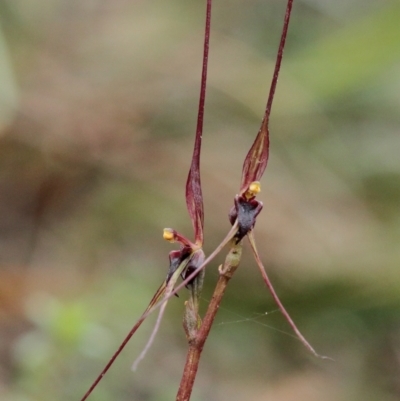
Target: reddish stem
[(153, 302), (115, 356), (196, 345), (278, 61), (194, 197), (256, 159), (202, 100)]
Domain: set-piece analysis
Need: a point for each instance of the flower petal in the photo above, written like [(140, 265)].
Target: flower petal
[(194, 196), (257, 158)]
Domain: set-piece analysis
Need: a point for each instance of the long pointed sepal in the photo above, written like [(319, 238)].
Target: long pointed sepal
[(168, 288), (157, 296), (276, 298)]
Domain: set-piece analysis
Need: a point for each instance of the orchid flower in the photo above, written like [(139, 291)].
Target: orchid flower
[(190, 256), (189, 261), (246, 207)]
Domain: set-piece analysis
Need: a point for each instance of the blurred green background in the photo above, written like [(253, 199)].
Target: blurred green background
[(98, 104)]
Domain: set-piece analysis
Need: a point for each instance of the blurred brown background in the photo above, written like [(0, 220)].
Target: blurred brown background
[(98, 104)]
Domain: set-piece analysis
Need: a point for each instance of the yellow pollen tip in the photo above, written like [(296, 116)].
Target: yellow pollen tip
[(168, 234), (254, 188)]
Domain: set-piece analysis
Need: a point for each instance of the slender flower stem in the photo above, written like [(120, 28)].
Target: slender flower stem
[(256, 159), (194, 197), (154, 304), (196, 345), (115, 356), (200, 117), (278, 62)]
